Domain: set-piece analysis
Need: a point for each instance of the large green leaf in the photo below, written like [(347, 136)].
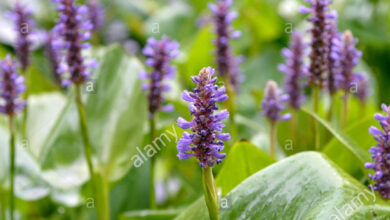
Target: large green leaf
[(344, 157), (345, 140), (304, 186), (243, 160), (116, 113)]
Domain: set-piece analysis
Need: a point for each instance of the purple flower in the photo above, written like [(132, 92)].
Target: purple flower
[(72, 30), (23, 24), (362, 87), (333, 57), (206, 139), (53, 56), (319, 44), (349, 59), (381, 154), (11, 86), (159, 55), (227, 63), (294, 69), (96, 14), (272, 104)]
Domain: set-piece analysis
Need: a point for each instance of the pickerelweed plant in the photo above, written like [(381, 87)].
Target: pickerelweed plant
[(349, 59), (205, 142), (53, 56), (319, 9), (21, 16), (11, 87), (295, 72), (272, 106), (227, 63), (159, 55), (71, 34), (381, 154)]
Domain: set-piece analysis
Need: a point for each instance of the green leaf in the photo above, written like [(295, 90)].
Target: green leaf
[(116, 114), (344, 157), (345, 140), (243, 160), (150, 215), (304, 186)]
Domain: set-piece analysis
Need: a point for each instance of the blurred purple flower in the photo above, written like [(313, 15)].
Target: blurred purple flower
[(294, 69), (53, 56), (319, 43), (72, 30), (272, 104), (349, 59), (21, 16), (11, 86), (381, 154), (96, 14), (159, 55), (362, 87), (227, 63), (333, 57), (206, 141)]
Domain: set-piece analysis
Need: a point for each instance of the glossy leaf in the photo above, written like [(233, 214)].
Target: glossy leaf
[(304, 186)]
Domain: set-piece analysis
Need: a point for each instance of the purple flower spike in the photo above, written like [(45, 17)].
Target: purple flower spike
[(349, 59), (294, 69), (23, 24), (362, 87), (381, 154), (53, 57), (96, 14), (206, 140), (11, 86), (272, 104), (319, 46), (333, 57), (227, 63), (72, 32), (159, 55)]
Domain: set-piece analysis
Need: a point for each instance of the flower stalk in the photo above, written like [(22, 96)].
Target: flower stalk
[(12, 167), (211, 194)]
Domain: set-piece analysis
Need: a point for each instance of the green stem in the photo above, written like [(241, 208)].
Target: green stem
[(330, 110), (316, 97), (272, 138), (231, 106), (153, 133), (25, 110), (210, 193), (344, 114), (12, 165), (294, 125), (2, 200), (102, 206)]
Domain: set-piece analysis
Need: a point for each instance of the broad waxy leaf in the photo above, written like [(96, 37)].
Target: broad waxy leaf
[(116, 112), (243, 160), (304, 186)]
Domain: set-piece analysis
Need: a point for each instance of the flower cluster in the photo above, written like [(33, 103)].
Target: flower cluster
[(53, 56), (349, 59), (71, 31), (381, 154), (294, 69), (227, 63), (272, 104), (159, 55), (23, 25), (333, 57), (206, 140), (96, 14), (319, 45), (362, 86), (11, 86)]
